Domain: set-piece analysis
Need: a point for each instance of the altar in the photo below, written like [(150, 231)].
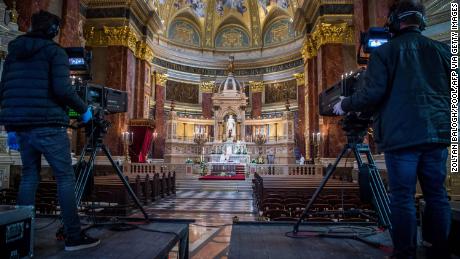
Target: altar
[(229, 140)]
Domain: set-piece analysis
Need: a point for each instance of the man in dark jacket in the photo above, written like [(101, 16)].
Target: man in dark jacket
[(35, 92), (407, 85)]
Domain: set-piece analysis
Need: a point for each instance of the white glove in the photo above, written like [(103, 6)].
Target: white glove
[(338, 107)]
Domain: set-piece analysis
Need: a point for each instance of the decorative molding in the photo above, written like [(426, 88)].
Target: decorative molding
[(256, 86), (119, 36), (160, 79), (300, 77), (326, 33), (255, 24), (207, 87), (222, 72), (144, 52)]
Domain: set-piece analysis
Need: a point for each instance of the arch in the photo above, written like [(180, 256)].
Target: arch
[(232, 37), (231, 19), (183, 31), (279, 31), (187, 14), (275, 13)]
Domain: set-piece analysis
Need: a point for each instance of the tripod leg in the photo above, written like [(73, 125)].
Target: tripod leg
[(329, 172), (379, 195), (125, 182), (85, 175)]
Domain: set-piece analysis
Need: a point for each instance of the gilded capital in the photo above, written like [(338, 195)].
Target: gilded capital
[(256, 86), (144, 52), (326, 33), (118, 36), (207, 87), (300, 77), (160, 79)]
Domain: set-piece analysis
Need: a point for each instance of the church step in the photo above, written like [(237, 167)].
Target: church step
[(195, 184)]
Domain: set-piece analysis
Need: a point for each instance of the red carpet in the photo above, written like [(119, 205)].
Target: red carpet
[(238, 177)]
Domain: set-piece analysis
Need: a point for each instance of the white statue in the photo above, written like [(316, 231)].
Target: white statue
[(231, 127), (302, 160)]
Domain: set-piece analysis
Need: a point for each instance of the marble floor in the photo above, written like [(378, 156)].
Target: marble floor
[(213, 212)]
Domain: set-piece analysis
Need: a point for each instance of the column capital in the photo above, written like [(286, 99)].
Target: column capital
[(160, 79), (326, 33), (300, 77), (207, 86), (119, 36), (256, 86)]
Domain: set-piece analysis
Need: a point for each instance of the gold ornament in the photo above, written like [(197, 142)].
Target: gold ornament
[(256, 87), (326, 33), (119, 36), (207, 87), (300, 77), (161, 79), (14, 14)]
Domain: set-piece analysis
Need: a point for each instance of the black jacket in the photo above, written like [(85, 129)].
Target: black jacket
[(35, 90), (407, 86)]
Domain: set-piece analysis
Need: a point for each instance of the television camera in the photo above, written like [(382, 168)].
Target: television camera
[(108, 100), (104, 101), (352, 81), (355, 126)]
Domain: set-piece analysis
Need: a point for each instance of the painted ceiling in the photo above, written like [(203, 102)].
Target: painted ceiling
[(227, 24)]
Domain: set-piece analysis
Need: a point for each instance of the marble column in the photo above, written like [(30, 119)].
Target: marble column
[(142, 90), (311, 77), (256, 91), (379, 11), (300, 130), (206, 89), (331, 64), (71, 27), (120, 75), (160, 88)]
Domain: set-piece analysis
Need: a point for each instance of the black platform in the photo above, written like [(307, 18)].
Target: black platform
[(117, 244), (268, 240), (455, 210)]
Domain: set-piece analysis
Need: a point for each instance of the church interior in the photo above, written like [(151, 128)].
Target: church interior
[(220, 129)]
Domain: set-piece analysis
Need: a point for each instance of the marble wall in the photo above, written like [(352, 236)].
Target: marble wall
[(256, 104), (120, 75), (330, 68), (206, 105), (71, 25), (299, 131), (160, 122)]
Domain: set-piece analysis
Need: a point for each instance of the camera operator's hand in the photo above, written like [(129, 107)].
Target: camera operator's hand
[(12, 141), (88, 115), (338, 107)]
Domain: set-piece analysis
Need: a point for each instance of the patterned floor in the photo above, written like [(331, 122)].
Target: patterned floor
[(213, 212), (207, 202)]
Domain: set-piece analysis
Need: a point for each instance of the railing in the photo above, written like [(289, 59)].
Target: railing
[(265, 170), (272, 139), (145, 168), (313, 171)]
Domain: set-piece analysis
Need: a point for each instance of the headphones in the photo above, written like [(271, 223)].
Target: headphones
[(53, 30), (395, 19)]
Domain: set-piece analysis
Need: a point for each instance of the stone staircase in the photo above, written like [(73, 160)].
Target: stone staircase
[(192, 183)]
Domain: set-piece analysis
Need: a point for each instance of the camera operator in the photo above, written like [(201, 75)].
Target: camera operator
[(35, 92), (408, 89)]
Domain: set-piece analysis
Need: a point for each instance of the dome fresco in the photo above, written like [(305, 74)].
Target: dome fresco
[(227, 24)]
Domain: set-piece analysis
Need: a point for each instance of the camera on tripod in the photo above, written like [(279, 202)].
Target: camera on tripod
[(355, 126), (352, 81), (107, 100)]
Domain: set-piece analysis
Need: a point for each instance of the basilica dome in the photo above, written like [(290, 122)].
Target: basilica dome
[(227, 25)]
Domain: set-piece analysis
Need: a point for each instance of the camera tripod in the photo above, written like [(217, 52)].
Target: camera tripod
[(95, 132), (370, 182)]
